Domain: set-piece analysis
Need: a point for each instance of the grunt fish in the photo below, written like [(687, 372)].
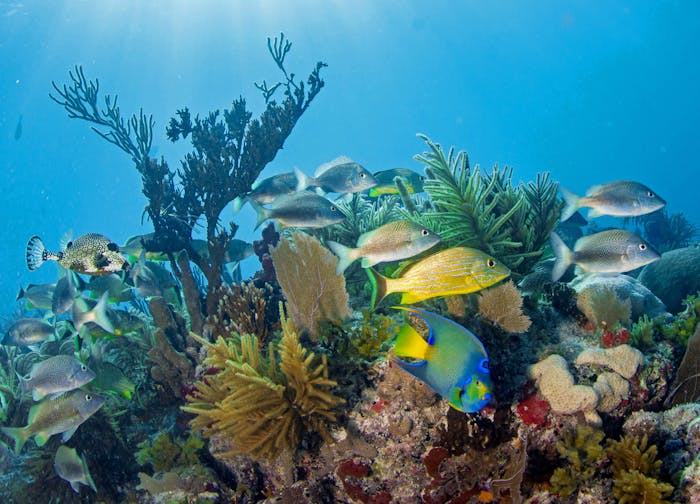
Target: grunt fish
[(391, 242), (38, 296), (268, 190), (300, 209), (27, 332), (65, 292), (458, 270), (386, 185), (56, 375), (61, 415), (117, 291), (342, 175), (623, 198), (92, 254), (81, 314), (73, 468), (612, 251)]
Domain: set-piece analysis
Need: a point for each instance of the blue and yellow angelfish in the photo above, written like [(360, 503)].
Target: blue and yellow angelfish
[(452, 362)]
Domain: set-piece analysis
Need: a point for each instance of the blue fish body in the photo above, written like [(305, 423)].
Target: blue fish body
[(452, 362)]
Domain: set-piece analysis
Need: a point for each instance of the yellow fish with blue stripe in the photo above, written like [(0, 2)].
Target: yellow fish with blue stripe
[(457, 270), (452, 361)]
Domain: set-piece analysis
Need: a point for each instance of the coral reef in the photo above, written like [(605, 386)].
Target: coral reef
[(623, 359), (674, 277), (163, 453), (503, 305), (486, 211), (686, 387), (244, 309), (264, 405), (230, 150), (313, 290), (582, 448)]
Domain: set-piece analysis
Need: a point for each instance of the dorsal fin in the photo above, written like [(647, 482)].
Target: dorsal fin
[(330, 164)]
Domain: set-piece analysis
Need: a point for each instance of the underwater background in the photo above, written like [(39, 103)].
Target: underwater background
[(588, 92)]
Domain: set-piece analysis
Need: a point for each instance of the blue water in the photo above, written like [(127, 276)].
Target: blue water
[(590, 91)]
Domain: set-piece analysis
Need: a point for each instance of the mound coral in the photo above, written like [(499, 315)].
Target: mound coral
[(264, 404), (623, 359), (486, 211), (313, 290)]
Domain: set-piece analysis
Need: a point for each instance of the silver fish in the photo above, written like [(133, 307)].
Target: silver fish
[(82, 314), (612, 251), (268, 190), (300, 209), (92, 254), (38, 296), (56, 375), (624, 198), (73, 468), (61, 415), (342, 175), (28, 331), (64, 293), (117, 291), (391, 242)]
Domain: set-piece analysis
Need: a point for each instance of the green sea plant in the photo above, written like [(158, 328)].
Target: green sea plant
[(582, 449), (263, 401), (164, 453), (636, 471), (485, 210), (684, 323), (642, 332), (314, 291), (230, 150)]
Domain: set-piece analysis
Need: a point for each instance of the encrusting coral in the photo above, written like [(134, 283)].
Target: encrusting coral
[(582, 449), (263, 403), (486, 211), (313, 290), (503, 305)]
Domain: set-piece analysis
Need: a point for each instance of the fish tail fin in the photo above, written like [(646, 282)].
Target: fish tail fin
[(86, 472), (409, 343), (100, 316), (261, 212), (571, 204), (18, 434), (562, 253), (303, 180), (379, 287), (37, 253), (20, 294), (238, 203), (345, 255)]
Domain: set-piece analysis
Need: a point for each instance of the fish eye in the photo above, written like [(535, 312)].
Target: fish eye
[(642, 246), (333, 209), (491, 263), (363, 175), (88, 397), (650, 194), (425, 232), (83, 367)]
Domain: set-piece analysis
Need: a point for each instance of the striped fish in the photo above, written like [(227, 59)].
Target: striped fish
[(458, 270)]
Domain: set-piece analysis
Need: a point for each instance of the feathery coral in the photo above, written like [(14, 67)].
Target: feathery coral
[(263, 404), (603, 308), (503, 305), (306, 272)]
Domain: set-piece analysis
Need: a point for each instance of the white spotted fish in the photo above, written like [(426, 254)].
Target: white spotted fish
[(91, 254)]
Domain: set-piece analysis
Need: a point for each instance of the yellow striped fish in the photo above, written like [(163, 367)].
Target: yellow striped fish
[(458, 270)]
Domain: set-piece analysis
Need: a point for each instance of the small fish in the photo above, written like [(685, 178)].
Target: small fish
[(125, 322), (623, 198), (238, 250), (28, 332), (117, 291), (82, 314), (134, 248), (534, 282), (60, 415), (65, 292), (452, 362), (56, 375), (300, 209), (342, 175), (110, 379), (457, 270), (92, 254), (268, 190), (73, 468), (386, 185), (38, 296), (150, 279), (391, 242), (612, 251), (18, 128)]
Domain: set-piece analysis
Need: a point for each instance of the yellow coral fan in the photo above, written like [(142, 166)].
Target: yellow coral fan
[(633, 487), (263, 405), (603, 308), (306, 272), (503, 305)]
